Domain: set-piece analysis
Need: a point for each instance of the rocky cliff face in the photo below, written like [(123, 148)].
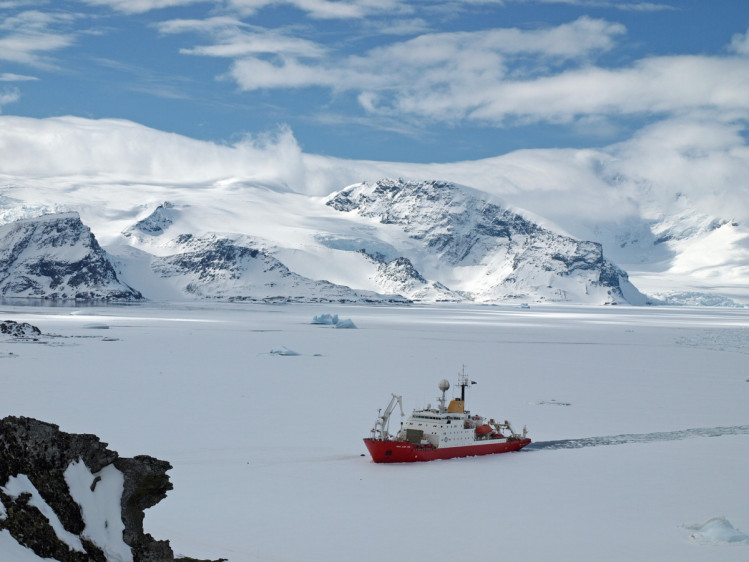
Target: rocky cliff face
[(484, 250), (57, 257), (68, 497)]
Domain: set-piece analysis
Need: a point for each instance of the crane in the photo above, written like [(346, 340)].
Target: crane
[(383, 420)]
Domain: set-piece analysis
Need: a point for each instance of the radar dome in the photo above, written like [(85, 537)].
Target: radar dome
[(444, 385)]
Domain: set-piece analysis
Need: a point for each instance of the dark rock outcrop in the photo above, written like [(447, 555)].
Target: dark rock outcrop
[(39, 451), (57, 257), (154, 224), (19, 329)]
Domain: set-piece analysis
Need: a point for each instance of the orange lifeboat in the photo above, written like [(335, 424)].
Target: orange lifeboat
[(484, 429)]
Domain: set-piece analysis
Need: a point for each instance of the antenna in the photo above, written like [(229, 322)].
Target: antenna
[(463, 383), (444, 386)]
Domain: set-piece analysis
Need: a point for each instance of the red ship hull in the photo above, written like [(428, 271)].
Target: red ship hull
[(403, 451)]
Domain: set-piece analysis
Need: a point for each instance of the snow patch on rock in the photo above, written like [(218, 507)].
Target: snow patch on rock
[(98, 496), (19, 485)]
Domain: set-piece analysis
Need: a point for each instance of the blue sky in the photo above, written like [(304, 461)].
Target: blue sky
[(396, 80)]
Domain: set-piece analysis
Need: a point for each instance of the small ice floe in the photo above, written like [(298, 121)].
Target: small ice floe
[(283, 351), (525, 305), (326, 319), (333, 320), (715, 531)]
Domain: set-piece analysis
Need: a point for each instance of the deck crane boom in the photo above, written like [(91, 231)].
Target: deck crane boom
[(380, 429)]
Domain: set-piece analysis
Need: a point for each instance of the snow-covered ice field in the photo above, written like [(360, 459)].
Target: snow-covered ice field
[(267, 448)]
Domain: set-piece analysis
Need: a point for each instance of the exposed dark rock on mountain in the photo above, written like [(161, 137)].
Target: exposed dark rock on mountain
[(435, 242), (154, 224), (39, 465), (19, 329), (57, 257), (399, 276), (212, 266), (500, 254)]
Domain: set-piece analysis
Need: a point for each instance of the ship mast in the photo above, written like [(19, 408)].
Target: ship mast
[(463, 383)]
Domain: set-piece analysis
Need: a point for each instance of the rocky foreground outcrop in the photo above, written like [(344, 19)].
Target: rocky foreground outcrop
[(68, 497)]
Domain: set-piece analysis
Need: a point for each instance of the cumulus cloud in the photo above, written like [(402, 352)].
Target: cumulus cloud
[(477, 75), (653, 85), (452, 64), (740, 43)]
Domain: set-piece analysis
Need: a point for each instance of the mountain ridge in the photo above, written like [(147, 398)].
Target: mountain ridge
[(394, 241)]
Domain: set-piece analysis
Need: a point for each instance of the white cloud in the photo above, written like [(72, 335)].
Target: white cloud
[(10, 77), (654, 85), (702, 156), (624, 5), (428, 66), (11, 4), (257, 74), (8, 95), (740, 43), (474, 76), (319, 9), (327, 9), (699, 155), (234, 39), (123, 151), (141, 6), (27, 36)]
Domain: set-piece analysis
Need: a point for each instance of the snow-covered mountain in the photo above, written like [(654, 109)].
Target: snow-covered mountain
[(212, 266), (154, 224), (484, 250), (400, 276), (57, 257), (674, 215), (390, 241)]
